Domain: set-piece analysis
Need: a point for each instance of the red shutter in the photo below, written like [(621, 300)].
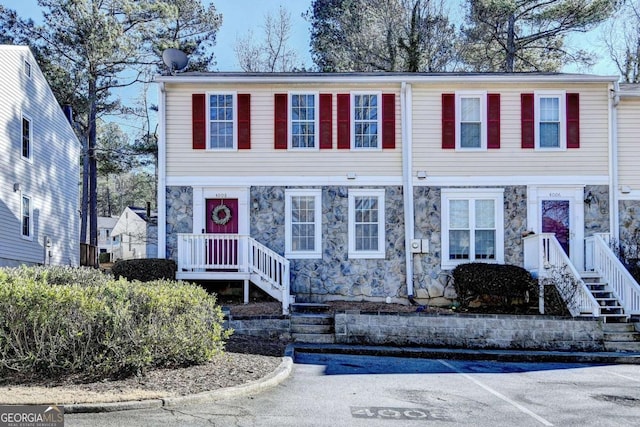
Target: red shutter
[(448, 121), (280, 122), (244, 121), (198, 121), (573, 120), (344, 121), (527, 120), (389, 120), (326, 121), (493, 120)]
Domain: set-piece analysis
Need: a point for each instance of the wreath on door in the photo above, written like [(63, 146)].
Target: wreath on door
[(221, 214)]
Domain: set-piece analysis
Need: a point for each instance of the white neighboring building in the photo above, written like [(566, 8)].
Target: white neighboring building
[(39, 168), (106, 241), (137, 232)]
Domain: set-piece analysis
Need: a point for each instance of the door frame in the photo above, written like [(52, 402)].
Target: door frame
[(575, 195), (201, 194)]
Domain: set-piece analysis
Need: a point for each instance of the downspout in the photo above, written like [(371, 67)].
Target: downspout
[(614, 219), (162, 174), (407, 183)]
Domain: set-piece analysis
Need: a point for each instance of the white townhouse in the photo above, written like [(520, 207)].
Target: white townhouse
[(39, 168), (374, 186)]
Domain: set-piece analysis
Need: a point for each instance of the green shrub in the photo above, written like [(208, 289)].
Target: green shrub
[(503, 282), (145, 270), (58, 275), (112, 329), (104, 257)]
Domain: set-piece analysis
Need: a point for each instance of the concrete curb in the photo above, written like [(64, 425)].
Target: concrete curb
[(281, 373), (468, 354)]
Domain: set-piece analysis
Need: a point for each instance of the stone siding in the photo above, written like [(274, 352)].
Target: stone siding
[(629, 220), (596, 213), (335, 275), (433, 284), (469, 331), (179, 217)]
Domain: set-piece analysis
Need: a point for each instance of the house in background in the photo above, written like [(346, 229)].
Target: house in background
[(374, 186), (106, 240), (39, 168), (135, 234)]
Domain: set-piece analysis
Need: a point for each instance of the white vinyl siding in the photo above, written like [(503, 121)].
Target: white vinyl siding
[(303, 223), (51, 178), (366, 224), (262, 159), (511, 160), (472, 226)]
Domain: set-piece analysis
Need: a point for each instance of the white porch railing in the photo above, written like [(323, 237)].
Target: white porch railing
[(542, 254), (234, 256), (609, 267)]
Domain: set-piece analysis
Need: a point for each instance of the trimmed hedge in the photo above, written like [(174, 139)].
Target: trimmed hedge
[(504, 282), (110, 329), (145, 270)]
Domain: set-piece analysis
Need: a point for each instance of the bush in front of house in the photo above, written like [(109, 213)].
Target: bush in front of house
[(104, 258), (505, 283), (109, 330), (145, 270), (58, 275)]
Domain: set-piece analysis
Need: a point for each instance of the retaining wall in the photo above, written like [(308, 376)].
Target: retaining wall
[(469, 331)]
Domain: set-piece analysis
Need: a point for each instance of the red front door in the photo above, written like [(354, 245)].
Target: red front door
[(555, 219), (222, 218)]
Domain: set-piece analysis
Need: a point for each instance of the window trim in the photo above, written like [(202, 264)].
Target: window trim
[(482, 96), (448, 194), (28, 158), (316, 253), (352, 108), (359, 254), (562, 114), (316, 120), (29, 236), (208, 120)]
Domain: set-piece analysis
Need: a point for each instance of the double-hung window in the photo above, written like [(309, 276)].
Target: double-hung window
[(367, 126), (472, 226), (222, 121), (303, 126), (26, 137), (303, 223), (550, 130), (366, 224), (471, 120), (26, 215)]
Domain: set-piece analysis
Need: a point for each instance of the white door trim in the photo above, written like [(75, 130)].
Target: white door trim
[(201, 194), (575, 195)]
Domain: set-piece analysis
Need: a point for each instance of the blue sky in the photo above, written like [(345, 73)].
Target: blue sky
[(238, 17)]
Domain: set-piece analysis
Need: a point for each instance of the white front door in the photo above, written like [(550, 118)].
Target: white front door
[(559, 210)]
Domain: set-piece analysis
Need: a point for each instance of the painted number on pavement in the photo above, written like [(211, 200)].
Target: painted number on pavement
[(396, 413)]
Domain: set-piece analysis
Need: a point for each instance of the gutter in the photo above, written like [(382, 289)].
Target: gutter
[(407, 183), (614, 219), (162, 173)]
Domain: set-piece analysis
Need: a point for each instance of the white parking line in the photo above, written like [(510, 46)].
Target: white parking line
[(497, 394), (622, 376)]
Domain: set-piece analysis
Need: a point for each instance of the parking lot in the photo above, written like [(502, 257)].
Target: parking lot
[(349, 390)]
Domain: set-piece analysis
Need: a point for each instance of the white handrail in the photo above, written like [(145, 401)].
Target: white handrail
[(235, 252), (550, 255), (622, 284)]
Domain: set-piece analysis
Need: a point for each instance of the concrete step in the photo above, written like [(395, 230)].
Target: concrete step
[(619, 327), (614, 317), (311, 329), (309, 307), (622, 346), (622, 336), (311, 319), (314, 338)]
